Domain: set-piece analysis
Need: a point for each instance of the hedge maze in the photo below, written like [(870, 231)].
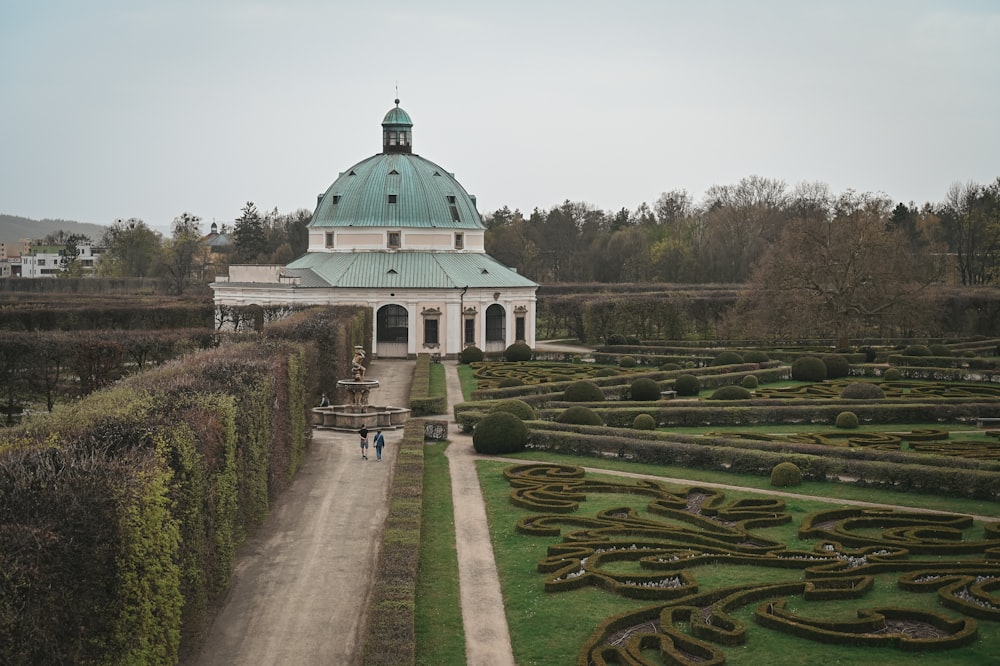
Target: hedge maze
[(655, 557)]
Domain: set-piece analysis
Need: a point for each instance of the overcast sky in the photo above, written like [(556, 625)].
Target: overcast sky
[(130, 108)]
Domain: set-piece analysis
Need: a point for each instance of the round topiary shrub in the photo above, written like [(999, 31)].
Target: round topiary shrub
[(916, 350), (809, 369), (499, 432), (732, 392), (670, 366), (862, 391), (939, 350), (518, 408), (615, 339), (519, 351), (786, 474), (837, 366), (847, 420), (644, 422), (756, 356), (749, 382), (892, 375), (606, 372), (579, 415), (508, 382), (644, 388), (583, 391), (687, 385), (470, 354), (627, 361), (727, 358)]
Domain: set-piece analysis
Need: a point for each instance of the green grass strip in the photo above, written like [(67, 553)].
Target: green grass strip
[(439, 631)]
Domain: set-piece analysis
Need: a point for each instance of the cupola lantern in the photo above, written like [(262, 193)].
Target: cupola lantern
[(397, 132)]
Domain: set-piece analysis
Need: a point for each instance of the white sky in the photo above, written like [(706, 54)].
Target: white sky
[(135, 108)]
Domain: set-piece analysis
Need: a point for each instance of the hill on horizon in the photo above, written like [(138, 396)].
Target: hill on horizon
[(13, 228)]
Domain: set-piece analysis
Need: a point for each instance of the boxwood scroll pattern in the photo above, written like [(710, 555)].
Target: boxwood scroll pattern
[(652, 558)]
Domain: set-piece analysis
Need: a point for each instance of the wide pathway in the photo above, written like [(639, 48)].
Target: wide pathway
[(302, 583)]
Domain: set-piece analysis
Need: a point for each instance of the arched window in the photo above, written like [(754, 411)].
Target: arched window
[(392, 324), (496, 323)]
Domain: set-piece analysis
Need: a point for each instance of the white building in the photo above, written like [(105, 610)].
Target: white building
[(397, 233)]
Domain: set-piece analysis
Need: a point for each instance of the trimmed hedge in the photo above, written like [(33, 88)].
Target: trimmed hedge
[(422, 403), (390, 637)]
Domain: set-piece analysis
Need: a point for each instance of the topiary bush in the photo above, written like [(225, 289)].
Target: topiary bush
[(732, 392), (862, 391), (470, 354), (508, 382), (916, 350), (606, 372), (632, 340), (939, 350), (518, 408), (727, 358), (519, 351), (627, 361), (687, 385), (749, 382), (892, 375), (583, 391), (837, 366), (644, 422), (786, 474), (670, 366), (756, 356), (809, 369), (847, 420), (615, 339), (644, 388), (499, 432), (579, 415)]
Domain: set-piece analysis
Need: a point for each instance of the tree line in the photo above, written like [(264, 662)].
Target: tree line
[(734, 228), (131, 248)]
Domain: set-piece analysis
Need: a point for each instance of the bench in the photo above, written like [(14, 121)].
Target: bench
[(670, 395), (982, 422)]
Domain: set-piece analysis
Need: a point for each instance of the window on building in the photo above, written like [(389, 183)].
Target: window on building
[(451, 199), (393, 239), (519, 329), (431, 331), (470, 331), (496, 323), (329, 239), (459, 240), (392, 198), (336, 199)]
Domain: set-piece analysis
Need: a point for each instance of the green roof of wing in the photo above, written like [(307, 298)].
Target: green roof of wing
[(404, 270)]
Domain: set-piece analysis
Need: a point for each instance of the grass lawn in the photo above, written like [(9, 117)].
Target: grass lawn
[(549, 628), (438, 614)]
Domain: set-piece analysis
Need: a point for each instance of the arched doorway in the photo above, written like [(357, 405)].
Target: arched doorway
[(392, 333), (496, 328)]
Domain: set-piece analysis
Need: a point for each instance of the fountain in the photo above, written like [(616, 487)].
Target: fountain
[(358, 412)]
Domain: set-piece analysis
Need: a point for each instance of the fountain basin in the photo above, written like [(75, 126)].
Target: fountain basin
[(352, 417)]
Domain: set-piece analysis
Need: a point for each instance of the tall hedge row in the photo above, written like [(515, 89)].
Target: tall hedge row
[(120, 514)]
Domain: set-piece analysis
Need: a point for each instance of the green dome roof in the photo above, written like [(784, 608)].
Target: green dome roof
[(396, 190)]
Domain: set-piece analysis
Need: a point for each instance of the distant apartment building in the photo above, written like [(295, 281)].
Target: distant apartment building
[(10, 250), (43, 261)]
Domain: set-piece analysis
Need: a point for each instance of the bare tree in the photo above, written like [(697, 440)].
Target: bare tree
[(838, 277)]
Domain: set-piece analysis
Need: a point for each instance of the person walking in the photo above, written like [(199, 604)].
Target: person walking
[(364, 442), (379, 443), (324, 401)]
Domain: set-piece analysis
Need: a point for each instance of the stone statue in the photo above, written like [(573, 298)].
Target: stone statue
[(357, 369)]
